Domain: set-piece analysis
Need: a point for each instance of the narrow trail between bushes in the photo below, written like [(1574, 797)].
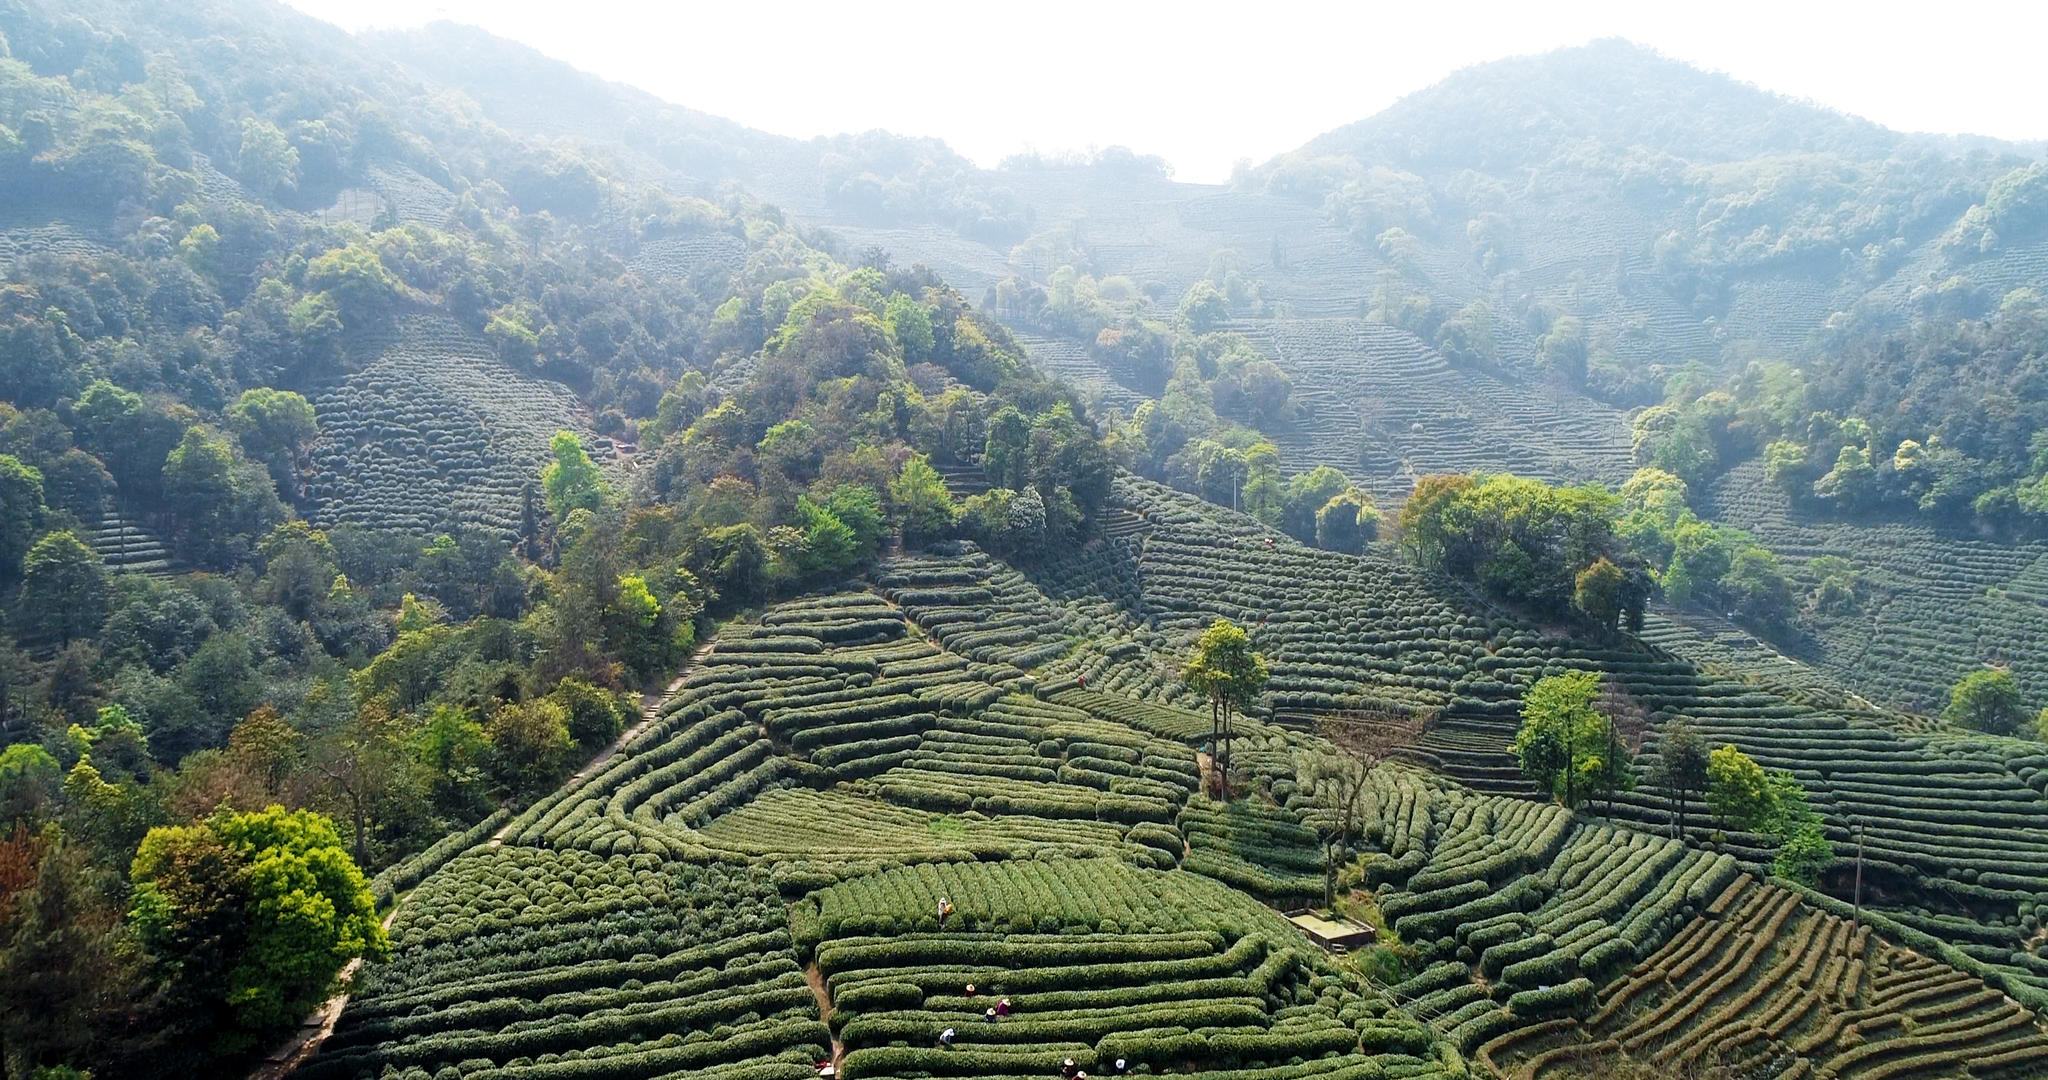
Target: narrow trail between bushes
[(650, 711), (816, 978), (315, 1029)]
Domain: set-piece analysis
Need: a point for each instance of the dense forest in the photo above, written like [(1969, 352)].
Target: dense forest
[(671, 600)]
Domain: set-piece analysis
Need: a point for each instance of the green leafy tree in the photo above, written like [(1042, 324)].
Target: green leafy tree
[(1598, 592), (21, 509), (1564, 743), (1225, 670), (571, 481), (859, 509), (1348, 522), (454, 749), (1803, 847), (252, 914), (1738, 792), (829, 544), (922, 499), (276, 427), (63, 588), (1987, 700), (530, 743), (911, 325), (1681, 767), (1306, 495), (362, 287), (268, 161), (1204, 308), (595, 714)]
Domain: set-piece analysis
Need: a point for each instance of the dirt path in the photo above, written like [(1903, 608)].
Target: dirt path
[(817, 980), (650, 711), (315, 1029)]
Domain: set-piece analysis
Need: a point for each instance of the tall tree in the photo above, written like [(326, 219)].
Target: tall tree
[(1738, 791), (1681, 767), (1565, 744), (276, 427), (920, 495), (1986, 700), (571, 480), (21, 509), (1363, 739), (1225, 670), (63, 587), (253, 913)]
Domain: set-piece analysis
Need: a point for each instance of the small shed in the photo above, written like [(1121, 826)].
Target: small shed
[(1334, 933)]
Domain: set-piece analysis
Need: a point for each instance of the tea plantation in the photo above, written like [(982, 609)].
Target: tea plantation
[(754, 886)]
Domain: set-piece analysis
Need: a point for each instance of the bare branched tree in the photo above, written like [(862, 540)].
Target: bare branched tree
[(1363, 738)]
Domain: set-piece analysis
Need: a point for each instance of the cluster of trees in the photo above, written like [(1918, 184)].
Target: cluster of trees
[(1743, 795), (1939, 423), (1578, 742), (1599, 553), (1572, 743)]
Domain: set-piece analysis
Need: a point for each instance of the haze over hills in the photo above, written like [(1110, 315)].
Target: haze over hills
[(717, 598)]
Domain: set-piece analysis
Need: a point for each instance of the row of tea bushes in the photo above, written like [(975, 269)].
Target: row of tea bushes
[(524, 962), (1099, 961), (1760, 980)]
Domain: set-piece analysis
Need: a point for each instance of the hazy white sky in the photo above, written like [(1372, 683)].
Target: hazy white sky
[(1203, 85)]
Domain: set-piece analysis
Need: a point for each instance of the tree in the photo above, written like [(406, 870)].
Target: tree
[(595, 714), (571, 480), (530, 743), (1803, 847), (911, 325), (920, 495), (217, 499), (1598, 592), (1363, 740), (21, 509), (1756, 585), (268, 162), (266, 747), (1347, 523), (275, 427), (859, 509), (1203, 308), (253, 913), (1738, 791), (1307, 494), (63, 587), (1986, 700), (362, 287), (830, 545), (1565, 744), (1225, 670), (1681, 767)]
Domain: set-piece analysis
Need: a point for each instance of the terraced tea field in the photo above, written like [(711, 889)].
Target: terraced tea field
[(753, 885), (1935, 604), (435, 432), (1759, 981)]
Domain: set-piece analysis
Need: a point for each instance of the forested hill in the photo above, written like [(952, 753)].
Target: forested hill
[(1524, 111), (361, 461), (1569, 266)]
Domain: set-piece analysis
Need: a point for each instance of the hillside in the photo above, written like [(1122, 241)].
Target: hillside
[(863, 754), (728, 604)]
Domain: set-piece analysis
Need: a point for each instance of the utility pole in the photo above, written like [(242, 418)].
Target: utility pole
[(1859, 871)]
